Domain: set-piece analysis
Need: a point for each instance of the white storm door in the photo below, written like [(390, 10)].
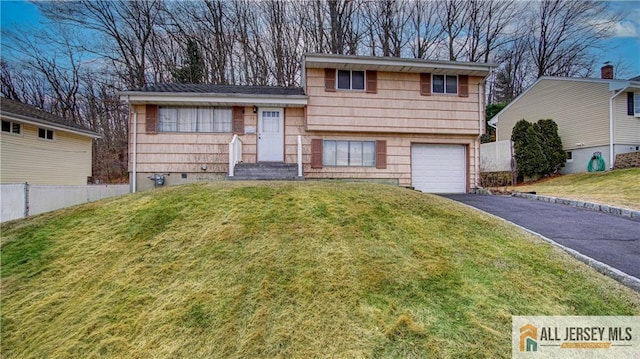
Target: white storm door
[(271, 135)]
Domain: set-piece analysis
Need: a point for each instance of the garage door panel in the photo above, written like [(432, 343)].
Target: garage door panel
[(438, 168)]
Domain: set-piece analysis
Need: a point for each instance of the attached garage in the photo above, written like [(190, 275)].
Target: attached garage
[(439, 168)]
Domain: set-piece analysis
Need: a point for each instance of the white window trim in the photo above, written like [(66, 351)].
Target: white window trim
[(11, 124), (445, 85), (636, 104), (569, 159), (46, 130), (364, 76)]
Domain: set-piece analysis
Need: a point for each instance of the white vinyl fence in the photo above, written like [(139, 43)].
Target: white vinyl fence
[(23, 200), (496, 156)]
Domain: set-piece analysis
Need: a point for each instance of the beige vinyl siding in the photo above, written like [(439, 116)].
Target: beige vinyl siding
[(188, 152), (396, 107), (580, 108), (398, 156), (626, 128), (26, 158)]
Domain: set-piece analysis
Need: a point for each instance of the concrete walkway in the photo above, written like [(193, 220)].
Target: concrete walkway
[(612, 240)]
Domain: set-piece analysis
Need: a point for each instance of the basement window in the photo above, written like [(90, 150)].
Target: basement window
[(569, 156), (11, 127), (45, 134)]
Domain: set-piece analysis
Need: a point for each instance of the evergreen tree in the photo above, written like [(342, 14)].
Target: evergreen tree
[(193, 70), (551, 145), (530, 158)]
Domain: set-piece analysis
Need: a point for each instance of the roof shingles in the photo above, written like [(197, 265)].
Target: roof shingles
[(28, 112)]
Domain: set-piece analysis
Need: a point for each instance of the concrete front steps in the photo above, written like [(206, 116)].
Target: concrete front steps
[(267, 171)]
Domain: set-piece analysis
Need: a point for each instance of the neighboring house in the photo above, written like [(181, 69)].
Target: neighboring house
[(414, 123), (593, 115), (41, 148)]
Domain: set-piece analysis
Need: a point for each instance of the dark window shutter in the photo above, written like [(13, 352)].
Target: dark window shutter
[(463, 86), (425, 84), (152, 119), (630, 103), (330, 80), (238, 120), (381, 154), (316, 153), (372, 82)]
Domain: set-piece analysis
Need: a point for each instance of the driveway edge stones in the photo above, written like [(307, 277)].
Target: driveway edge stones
[(620, 276), (616, 211)]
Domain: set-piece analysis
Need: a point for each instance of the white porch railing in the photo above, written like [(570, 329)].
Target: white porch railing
[(235, 153), (299, 156)]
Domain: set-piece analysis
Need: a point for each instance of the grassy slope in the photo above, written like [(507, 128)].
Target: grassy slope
[(307, 270), (618, 188)]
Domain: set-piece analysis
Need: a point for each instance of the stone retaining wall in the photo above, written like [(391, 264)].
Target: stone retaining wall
[(627, 160)]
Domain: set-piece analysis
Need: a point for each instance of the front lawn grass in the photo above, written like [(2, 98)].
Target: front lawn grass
[(282, 270), (619, 188)]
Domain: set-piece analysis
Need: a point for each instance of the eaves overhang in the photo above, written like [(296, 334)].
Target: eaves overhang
[(394, 64), (212, 99)]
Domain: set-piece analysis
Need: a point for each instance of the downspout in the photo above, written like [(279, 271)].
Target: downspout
[(477, 141), (611, 154), (135, 149)]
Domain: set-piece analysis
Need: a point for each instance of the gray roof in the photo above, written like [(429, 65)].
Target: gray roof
[(637, 78), (221, 89), (30, 113)]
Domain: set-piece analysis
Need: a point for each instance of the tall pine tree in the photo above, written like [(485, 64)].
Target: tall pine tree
[(551, 145), (192, 72), (530, 158)]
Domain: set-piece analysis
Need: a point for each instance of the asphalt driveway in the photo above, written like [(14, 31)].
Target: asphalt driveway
[(603, 237)]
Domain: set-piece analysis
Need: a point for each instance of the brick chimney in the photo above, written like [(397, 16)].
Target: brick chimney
[(606, 72)]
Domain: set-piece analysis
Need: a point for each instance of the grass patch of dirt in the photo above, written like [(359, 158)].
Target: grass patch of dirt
[(282, 270)]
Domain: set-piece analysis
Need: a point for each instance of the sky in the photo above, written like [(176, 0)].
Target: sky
[(625, 44)]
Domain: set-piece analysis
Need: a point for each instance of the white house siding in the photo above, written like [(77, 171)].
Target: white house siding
[(26, 158), (581, 110)]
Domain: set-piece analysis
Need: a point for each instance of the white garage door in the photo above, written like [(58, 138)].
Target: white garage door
[(439, 168)]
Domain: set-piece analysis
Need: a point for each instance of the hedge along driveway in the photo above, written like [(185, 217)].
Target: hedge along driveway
[(608, 239)]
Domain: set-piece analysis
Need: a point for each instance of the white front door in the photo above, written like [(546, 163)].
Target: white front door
[(271, 135)]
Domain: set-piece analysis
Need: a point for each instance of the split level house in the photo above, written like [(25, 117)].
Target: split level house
[(599, 115), (41, 148), (413, 123)]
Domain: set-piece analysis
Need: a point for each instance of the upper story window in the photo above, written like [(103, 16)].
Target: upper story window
[(445, 84), (45, 134), (350, 80), (194, 119), (11, 127), (636, 104)]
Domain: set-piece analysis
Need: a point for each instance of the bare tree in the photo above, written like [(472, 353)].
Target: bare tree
[(453, 16), (424, 29), (563, 32), (128, 27)]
